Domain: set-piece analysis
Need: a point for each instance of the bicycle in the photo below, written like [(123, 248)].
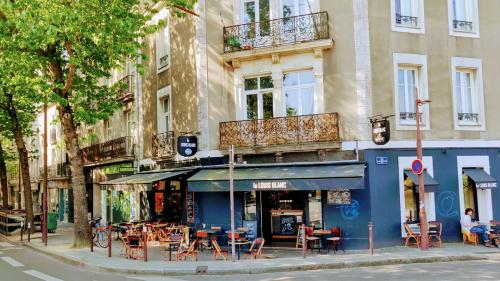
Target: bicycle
[(100, 234)]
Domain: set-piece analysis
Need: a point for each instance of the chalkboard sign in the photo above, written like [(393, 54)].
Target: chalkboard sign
[(252, 229), (288, 225)]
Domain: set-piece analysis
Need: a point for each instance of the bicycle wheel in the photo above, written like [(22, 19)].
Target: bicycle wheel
[(103, 239)]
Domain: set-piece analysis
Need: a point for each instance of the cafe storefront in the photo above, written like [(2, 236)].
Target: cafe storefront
[(273, 200)]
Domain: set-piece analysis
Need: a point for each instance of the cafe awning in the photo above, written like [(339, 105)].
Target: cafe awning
[(297, 176), (430, 184), (143, 181), (481, 178)]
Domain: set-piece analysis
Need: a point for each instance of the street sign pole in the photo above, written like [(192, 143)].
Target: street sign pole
[(231, 195), (45, 170), (424, 244)]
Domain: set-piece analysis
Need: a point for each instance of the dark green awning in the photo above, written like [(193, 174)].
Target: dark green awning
[(430, 184), (481, 178), (318, 176), (143, 181)]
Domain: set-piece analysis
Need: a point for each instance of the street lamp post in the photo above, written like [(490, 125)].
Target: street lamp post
[(424, 244), (44, 198), (231, 195)]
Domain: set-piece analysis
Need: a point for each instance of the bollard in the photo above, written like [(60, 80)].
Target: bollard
[(29, 232), (145, 233), (304, 245), (109, 241), (91, 241), (370, 236), (22, 229)]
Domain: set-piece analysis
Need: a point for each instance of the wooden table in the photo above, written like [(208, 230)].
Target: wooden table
[(170, 243), (239, 243), (322, 234)]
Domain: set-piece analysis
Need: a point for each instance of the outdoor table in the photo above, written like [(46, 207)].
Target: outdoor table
[(239, 243), (170, 243), (322, 235)]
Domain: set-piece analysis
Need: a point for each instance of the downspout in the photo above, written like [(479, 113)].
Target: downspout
[(138, 107)]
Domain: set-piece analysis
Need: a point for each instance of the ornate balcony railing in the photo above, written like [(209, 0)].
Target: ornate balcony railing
[(163, 145), (464, 26), (127, 92), (113, 149), (407, 20), (277, 32), (280, 131), (468, 117)]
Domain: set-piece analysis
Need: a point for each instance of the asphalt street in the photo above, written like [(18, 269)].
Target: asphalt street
[(18, 263)]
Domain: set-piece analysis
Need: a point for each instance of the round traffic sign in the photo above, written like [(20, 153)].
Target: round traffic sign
[(417, 167)]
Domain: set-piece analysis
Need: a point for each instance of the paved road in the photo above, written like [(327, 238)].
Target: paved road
[(18, 263)]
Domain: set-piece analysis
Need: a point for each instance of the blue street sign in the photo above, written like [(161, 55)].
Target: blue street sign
[(381, 160)]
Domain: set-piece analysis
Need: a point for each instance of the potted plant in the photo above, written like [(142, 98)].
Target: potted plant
[(234, 42)]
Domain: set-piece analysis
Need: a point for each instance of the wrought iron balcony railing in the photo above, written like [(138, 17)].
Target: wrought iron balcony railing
[(407, 20), (280, 131), (113, 149), (163, 145), (468, 118), (464, 26), (277, 32), (127, 93)]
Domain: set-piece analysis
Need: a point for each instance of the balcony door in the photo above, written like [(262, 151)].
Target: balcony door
[(256, 25), (259, 98), (298, 24)]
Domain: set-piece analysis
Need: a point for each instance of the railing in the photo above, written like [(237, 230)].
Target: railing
[(407, 20), (127, 92), (113, 149), (163, 145), (59, 170), (280, 131), (460, 25), (283, 31), (468, 117)]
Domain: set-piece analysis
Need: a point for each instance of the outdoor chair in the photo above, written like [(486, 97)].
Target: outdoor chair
[(218, 252), (336, 239), (255, 250), (435, 232), (135, 247), (184, 252), (410, 234), (311, 240), (469, 237), (124, 243), (203, 241)]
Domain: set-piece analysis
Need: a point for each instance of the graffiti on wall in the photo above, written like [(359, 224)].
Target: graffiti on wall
[(446, 204), (350, 212)]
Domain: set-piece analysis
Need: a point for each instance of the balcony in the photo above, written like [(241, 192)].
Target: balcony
[(111, 151), (57, 171), (293, 130), (277, 33), (163, 146), (126, 93)]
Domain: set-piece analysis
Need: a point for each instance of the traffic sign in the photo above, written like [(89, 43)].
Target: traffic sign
[(417, 167)]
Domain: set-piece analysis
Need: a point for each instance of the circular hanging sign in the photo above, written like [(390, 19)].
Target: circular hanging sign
[(417, 167), (187, 145)]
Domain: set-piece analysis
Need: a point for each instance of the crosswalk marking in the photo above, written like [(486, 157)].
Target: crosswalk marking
[(40, 275), (5, 245), (12, 262)]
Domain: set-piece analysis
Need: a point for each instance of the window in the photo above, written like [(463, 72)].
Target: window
[(163, 110), (128, 122), (165, 104), (292, 8), (259, 98), (470, 194), (407, 16), (107, 130), (256, 11), (410, 79), (467, 94), (463, 16), (250, 205), (163, 49), (299, 92), (411, 201)]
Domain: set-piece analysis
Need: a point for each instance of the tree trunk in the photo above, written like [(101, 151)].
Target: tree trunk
[(23, 159), (3, 179), (77, 177)]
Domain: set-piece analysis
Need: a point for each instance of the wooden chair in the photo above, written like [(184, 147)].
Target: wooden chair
[(203, 241), (336, 239), (410, 234), (218, 252), (469, 237), (191, 252), (435, 232), (311, 240), (124, 243), (255, 250)]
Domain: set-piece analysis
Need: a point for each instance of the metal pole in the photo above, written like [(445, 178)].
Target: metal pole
[(91, 240), (304, 244), (109, 241), (370, 236), (45, 168), (424, 244), (29, 232), (231, 196), (145, 233)]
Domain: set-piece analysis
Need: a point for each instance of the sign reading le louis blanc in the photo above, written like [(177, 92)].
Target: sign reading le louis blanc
[(270, 185)]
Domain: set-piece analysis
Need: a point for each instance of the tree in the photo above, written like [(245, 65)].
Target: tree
[(77, 43), (3, 178)]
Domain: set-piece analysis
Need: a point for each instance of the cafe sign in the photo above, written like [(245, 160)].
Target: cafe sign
[(486, 185), (187, 145), (270, 185)]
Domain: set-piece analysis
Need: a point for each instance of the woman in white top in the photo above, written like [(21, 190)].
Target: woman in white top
[(474, 227)]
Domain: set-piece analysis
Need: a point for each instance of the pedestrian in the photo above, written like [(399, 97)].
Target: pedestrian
[(474, 227)]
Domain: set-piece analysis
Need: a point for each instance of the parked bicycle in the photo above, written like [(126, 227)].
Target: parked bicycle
[(100, 234)]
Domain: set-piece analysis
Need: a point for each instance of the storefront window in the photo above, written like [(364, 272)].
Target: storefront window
[(411, 201), (315, 210), (121, 206), (250, 206), (470, 195)]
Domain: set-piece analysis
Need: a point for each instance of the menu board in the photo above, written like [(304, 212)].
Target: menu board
[(252, 229)]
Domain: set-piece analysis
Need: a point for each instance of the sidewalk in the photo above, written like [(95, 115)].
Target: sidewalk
[(277, 260)]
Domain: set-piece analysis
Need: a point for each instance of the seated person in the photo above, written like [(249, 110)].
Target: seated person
[(474, 227)]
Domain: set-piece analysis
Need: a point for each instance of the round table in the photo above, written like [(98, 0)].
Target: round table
[(239, 243)]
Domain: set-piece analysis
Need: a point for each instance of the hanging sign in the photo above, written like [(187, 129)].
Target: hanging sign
[(417, 167), (381, 131), (339, 197), (187, 145), (189, 207)]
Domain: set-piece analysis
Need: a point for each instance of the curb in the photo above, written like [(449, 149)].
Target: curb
[(256, 270)]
